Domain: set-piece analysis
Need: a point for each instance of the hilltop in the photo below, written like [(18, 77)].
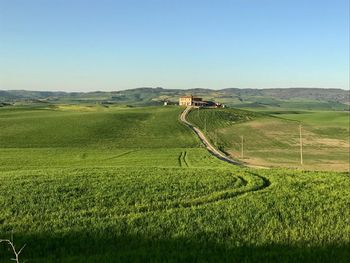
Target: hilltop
[(308, 98)]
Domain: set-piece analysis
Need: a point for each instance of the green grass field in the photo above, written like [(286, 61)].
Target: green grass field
[(94, 184), (271, 138)]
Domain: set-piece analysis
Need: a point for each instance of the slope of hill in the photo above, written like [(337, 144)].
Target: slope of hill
[(77, 126), (271, 138)]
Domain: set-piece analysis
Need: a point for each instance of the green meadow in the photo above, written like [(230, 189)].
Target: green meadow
[(86, 183)]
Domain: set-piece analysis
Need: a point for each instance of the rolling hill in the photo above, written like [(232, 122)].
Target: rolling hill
[(306, 98), (271, 138), (94, 184)]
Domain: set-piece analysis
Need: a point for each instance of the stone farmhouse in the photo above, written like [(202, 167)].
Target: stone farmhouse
[(196, 101), (190, 101)]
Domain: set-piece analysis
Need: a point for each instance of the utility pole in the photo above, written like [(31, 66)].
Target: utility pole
[(205, 123), (301, 145), (242, 147)]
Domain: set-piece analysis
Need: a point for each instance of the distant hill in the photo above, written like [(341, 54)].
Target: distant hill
[(308, 98)]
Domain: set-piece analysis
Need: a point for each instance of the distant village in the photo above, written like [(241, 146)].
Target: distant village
[(196, 102)]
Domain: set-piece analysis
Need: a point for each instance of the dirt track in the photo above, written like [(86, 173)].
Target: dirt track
[(205, 141)]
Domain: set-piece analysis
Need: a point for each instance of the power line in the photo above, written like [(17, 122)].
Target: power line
[(301, 145)]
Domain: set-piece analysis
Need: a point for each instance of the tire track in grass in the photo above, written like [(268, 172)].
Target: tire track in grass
[(245, 183), (184, 158), (119, 155), (180, 159), (213, 197)]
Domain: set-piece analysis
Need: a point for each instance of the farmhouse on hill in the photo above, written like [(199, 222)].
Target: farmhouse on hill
[(196, 101), (190, 101)]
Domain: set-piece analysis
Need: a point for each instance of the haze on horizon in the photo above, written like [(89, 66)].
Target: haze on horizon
[(63, 45)]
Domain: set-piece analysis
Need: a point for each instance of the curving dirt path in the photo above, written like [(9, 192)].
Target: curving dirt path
[(205, 141)]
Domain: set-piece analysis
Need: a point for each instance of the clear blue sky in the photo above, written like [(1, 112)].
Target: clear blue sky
[(84, 45)]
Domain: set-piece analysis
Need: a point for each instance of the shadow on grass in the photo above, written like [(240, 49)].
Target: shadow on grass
[(88, 247)]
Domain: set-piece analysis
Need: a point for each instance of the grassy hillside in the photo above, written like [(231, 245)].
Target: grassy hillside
[(79, 126), (176, 215), (271, 138), (96, 184)]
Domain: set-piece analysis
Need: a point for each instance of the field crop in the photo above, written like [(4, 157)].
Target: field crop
[(115, 128), (271, 138), (75, 188)]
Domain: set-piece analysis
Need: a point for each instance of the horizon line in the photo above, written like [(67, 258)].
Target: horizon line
[(147, 87)]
